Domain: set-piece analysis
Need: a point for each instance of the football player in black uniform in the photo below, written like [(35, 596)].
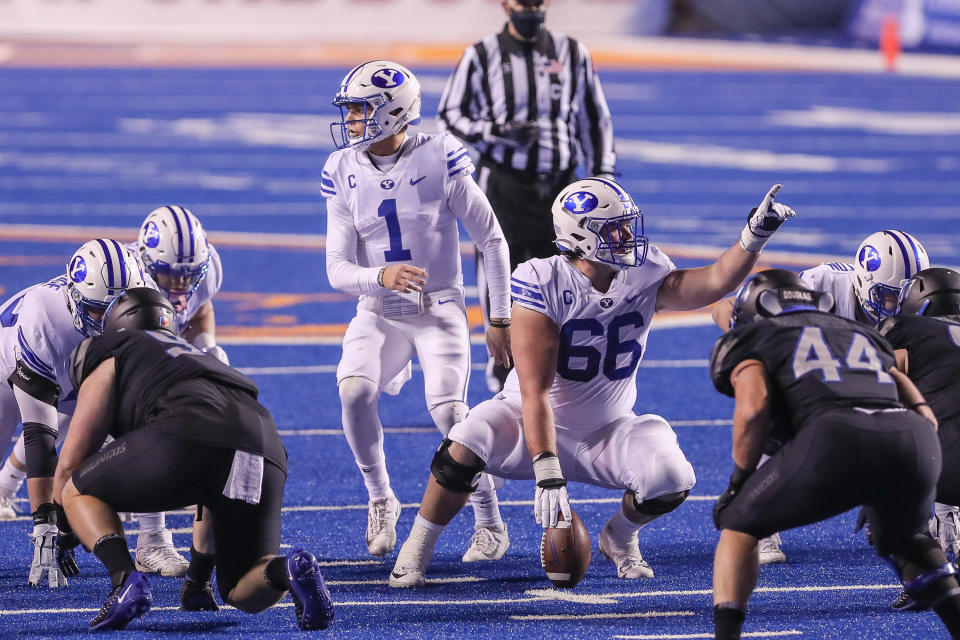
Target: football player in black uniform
[(828, 389), (188, 430), (925, 335)]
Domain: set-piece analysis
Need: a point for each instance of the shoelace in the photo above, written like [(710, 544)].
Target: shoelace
[(375, 518), (111, 600), (162, 552), (484, 539)]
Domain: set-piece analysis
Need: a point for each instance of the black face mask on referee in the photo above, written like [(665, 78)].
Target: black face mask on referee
[(528, 21)]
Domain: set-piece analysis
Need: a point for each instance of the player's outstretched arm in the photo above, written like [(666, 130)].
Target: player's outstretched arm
[(687, 289)]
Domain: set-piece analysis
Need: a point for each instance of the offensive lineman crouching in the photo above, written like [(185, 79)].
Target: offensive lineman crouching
[(188, 430), (831, 388)]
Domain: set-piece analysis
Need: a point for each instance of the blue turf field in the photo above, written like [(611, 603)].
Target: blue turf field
[(243, 149)]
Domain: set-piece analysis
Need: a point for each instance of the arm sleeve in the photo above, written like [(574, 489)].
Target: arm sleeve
[(594, 122), (460, 109), (343, 272), (466, 198)]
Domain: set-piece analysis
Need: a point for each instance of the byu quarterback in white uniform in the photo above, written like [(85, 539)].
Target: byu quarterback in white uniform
[(39, 328), (580, 326), (393, 202)]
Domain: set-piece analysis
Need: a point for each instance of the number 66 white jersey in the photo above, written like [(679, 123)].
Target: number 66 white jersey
[(403, 214), (602, 335)]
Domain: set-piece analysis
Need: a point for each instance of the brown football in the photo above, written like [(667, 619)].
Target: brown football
[(565, 552)]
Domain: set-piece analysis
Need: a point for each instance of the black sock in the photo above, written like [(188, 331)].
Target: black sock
[(113, 552), (727, 621), (201, 566), (275, 573)]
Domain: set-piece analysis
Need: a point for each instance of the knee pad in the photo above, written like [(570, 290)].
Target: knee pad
[(356, 391), (661, 504), (40, 447), (447, 414), (452, 475), (924, 571)]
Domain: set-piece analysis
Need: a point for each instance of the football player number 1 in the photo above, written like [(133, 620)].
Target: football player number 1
[(388, 211)]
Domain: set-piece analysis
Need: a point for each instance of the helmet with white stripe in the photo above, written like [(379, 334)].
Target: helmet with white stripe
[(97, 273), (390, 96), (173, 247), (884, 260), (596, 219)]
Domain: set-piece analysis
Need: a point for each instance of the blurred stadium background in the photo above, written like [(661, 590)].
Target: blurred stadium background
[(109, 108)]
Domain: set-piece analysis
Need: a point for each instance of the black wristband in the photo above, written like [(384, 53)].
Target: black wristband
[(919, 404), (739, 476), (380, 276), (500, 324)]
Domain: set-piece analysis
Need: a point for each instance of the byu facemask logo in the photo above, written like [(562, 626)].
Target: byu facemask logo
[(151, 234), (580, 202), (78, 269), (869, 258), (387, 78)]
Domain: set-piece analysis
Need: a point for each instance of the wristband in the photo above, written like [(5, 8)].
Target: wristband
[(919, 404), (546, 470), (500, 324), (380, 276), (739, 476)]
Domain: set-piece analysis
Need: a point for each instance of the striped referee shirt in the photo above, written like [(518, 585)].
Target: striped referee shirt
[(550, 81)]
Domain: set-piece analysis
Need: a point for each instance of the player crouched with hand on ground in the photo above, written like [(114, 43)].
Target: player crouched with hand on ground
[(827, 388), (566, 412), (188, 430)]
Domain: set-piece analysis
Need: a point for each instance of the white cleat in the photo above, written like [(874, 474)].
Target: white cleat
[(626, 555), (769, 550), (487, 543), (382, 516), (155, 554), (411, 566), (8, 507)]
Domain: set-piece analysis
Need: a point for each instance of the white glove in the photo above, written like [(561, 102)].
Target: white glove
[(217, 352), (551, 494), (45, 557), (763, 221)]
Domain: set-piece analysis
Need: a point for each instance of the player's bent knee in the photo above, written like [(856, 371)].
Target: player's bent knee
[(356, 391), (452, 475), (661, 504)]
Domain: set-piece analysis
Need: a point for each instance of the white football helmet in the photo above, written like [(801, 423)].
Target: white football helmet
[(173, 247), (391, 94), (596, 219), (884, 261), (97, 273)]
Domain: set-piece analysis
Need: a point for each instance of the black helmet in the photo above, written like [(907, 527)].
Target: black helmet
[(772, 292), (139, 308), (932, 292)]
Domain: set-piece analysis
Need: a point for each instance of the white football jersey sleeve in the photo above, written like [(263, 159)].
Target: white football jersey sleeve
[(37, 328), (406, 214), (837, 279), (602, 335)]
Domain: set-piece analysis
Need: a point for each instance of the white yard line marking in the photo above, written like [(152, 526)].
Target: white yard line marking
[(684, 636), (431, 581), (605, 616)]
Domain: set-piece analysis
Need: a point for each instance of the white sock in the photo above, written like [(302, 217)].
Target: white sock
[(426, 530), (11, 478), (151, 522), (621, 527), (486, 506), (377, 480)]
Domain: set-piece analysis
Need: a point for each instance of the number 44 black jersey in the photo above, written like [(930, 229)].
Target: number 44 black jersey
[(814, 360), (152, 369), (933, 358)]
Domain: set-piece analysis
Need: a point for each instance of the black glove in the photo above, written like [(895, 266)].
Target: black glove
[(737, 478), (67, 541), (518, 133)]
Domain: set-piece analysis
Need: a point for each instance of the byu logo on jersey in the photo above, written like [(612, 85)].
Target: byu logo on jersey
[(387, 78), (387, 184), (581, 202), (78, 269), (606, 303), (151, 234), (869, 258)]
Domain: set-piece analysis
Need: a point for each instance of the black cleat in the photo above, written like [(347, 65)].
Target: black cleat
[(197, 597)]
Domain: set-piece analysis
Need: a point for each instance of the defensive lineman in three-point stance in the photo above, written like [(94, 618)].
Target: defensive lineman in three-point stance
[(393, 202), (580, 327)]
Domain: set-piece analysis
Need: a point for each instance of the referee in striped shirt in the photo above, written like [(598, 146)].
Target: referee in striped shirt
[(530, 102)]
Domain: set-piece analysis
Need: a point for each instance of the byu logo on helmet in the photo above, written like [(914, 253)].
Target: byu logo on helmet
[(581, 202), (387, 78), (151, 234), (78, 269), (870, 258), (387, 184)]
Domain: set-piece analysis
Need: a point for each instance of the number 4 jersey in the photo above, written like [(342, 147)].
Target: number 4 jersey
[(602, 335), (816, 361)]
